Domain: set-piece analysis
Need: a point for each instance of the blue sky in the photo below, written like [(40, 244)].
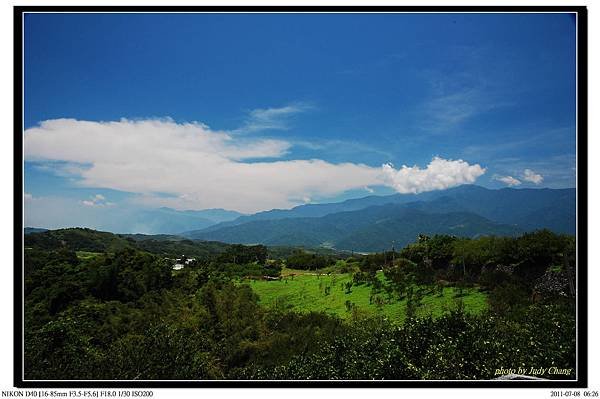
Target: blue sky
[(332, 94)]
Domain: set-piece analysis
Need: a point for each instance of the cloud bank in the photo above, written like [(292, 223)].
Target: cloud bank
[(190, 166)]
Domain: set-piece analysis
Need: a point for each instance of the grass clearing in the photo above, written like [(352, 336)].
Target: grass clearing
[(307, 291), (86, 255)]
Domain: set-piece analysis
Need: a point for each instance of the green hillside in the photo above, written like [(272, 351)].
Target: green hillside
[(78, 239), (92, 241)]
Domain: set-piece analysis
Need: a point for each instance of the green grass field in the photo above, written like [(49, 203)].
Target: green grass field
[(86, 255), (306, 291)]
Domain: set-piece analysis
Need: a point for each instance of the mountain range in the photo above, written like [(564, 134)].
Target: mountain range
[(368, 224), (373, 223)]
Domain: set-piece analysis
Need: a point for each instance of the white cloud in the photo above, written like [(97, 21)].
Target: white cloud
[(527, 175), (190, 166), (530, 176), (97, 200), (271, 118), (440, 174), (508, 180), (27, 196)]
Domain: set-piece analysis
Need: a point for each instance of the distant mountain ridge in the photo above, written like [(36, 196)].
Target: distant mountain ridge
[(313, 210), (358, 224), (366, 224), (370, 229), (30, 230), (474, 199)]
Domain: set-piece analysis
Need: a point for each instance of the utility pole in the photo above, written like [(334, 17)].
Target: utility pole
[(393, 253)]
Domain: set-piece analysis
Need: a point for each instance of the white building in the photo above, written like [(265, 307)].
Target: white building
[(177, 266)]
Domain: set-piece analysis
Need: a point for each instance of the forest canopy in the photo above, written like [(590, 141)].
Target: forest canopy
[(102, 306)]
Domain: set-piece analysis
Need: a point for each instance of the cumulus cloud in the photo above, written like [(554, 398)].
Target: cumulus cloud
[(508, 180), (530, 176), (440, 174), (190, 166)]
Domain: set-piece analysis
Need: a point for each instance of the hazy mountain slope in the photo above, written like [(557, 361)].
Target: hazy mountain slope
[(317, 210), (508, 205), (528, 207), (294, 231), (463, 211), (369, 229), (163, 220), (403, 230)]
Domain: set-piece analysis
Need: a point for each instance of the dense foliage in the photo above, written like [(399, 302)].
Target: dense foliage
[(307, 261), (124, 313)]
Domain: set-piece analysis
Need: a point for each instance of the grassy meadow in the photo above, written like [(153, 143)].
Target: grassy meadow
[(83, 255), (306, 291)]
